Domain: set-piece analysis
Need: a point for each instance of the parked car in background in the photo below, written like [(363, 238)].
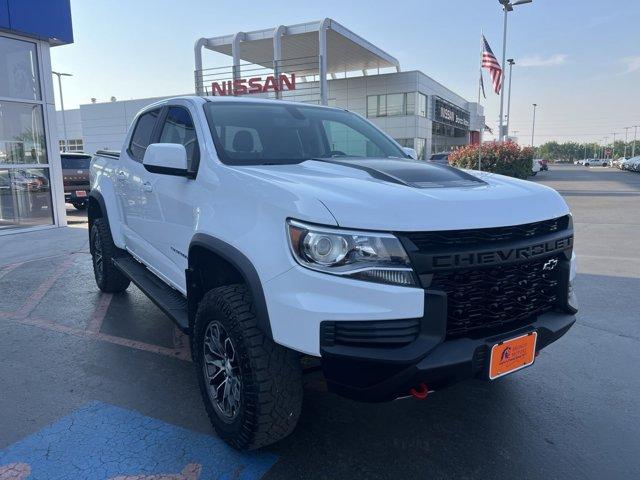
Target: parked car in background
[(75, 176), (544, 165), (624, 164), (616, 162), (602, 162), (440, 158), (535, 167), (634, 164)]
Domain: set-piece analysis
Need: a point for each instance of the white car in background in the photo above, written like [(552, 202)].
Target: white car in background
[(633, 164), (626, 163), (535, 167), (616, 163)]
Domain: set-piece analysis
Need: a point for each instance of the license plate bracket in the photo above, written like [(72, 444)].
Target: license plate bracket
[(512, 355)]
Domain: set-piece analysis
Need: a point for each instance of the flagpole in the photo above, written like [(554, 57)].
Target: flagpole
[(479, 87)]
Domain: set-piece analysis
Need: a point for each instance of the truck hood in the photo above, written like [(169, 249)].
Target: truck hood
[(405, 195)]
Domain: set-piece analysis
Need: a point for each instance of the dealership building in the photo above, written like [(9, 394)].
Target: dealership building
[(319, 63), (31, 192)]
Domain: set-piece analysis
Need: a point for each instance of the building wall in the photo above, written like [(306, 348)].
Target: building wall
[(73, 127)]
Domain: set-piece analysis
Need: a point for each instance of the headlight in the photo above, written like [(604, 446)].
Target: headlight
[(376, 257)]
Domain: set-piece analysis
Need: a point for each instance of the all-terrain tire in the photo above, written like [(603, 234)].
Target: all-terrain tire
[(103, 250), (270, 375)]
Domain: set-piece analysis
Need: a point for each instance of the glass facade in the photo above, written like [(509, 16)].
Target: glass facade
[(25, 186), (391, 105)]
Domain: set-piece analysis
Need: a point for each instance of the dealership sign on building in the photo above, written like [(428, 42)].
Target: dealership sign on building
[(243, 86), (446, 113)]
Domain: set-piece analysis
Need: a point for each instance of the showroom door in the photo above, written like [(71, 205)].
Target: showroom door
[(25, 179)]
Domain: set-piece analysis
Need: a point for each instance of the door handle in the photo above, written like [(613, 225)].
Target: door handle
[(147, 187)]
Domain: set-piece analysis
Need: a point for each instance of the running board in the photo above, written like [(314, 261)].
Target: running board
[(169, 300)]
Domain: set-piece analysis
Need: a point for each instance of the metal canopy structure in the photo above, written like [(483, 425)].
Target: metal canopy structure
[(336, 48)]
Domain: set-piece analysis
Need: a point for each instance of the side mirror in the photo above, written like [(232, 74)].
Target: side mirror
[(166, 159), (411, 152)]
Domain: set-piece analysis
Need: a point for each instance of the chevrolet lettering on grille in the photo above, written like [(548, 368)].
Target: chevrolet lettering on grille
[(498, 257)]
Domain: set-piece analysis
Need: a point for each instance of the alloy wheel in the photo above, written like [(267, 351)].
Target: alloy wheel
[(221, 371)]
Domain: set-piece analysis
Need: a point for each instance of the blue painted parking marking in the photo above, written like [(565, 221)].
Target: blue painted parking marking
[(101, 441)]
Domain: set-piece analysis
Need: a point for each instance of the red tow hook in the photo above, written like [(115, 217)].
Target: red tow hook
[(420, 394)]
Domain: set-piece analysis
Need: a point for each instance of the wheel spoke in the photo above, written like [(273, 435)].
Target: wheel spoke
[(221, 371)]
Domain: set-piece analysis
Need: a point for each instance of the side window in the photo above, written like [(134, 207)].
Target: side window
[(178, 128), (141, 137)]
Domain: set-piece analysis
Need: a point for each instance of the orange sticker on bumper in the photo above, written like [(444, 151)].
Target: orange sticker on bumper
[(512, 355)]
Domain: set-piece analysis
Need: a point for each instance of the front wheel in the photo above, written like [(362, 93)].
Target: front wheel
[(103, 250), (251, 387)]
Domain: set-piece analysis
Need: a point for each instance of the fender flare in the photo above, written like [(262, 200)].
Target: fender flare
[(241, 263), (98, 197)]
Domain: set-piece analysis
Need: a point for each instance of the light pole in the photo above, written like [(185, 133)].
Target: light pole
[(533, 126), (633, 147), (64, 120), (507, 6), (626, 140), (613, 148), (511, 64)]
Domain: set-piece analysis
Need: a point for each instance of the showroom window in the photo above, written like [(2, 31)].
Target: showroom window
[(73, 145), (25, 186), (390, 105), (422, 105)]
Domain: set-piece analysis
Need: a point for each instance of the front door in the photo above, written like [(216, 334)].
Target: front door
[(167, 223)]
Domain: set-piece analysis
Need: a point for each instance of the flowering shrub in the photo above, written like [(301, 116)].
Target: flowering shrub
[(504, 158)]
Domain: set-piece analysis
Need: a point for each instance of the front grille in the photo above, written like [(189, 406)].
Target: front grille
[(378, 333), (486, 236), (483, 299)]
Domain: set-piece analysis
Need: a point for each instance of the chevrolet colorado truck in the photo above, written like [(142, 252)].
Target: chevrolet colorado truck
[(277, 234)]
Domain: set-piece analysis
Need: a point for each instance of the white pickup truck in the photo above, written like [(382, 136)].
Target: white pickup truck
[(275, 232)]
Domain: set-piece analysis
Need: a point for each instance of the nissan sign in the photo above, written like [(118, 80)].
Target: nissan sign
[(450, 115), (243, 86)]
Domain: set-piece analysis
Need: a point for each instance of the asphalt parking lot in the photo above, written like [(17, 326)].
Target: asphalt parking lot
[(100, 386)]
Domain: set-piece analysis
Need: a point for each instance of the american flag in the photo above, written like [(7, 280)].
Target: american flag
[(490, 62)]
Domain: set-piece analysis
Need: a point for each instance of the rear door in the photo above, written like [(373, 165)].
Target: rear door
[(130, 178)]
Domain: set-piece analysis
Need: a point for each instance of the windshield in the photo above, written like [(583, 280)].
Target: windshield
[(73, 161), (280, 133)]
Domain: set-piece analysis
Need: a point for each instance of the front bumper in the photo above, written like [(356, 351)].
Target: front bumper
[(383, 374)]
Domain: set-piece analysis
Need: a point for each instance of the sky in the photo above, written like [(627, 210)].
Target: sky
[(579, 60)]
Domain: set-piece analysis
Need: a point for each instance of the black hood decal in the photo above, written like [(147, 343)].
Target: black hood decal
[(412, 173)]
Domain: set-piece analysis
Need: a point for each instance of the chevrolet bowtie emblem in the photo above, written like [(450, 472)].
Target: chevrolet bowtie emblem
[(550, 265)]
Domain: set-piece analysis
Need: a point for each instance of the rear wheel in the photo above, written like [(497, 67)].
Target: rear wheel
[(251, 387), (103, 250), (80, 205)]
